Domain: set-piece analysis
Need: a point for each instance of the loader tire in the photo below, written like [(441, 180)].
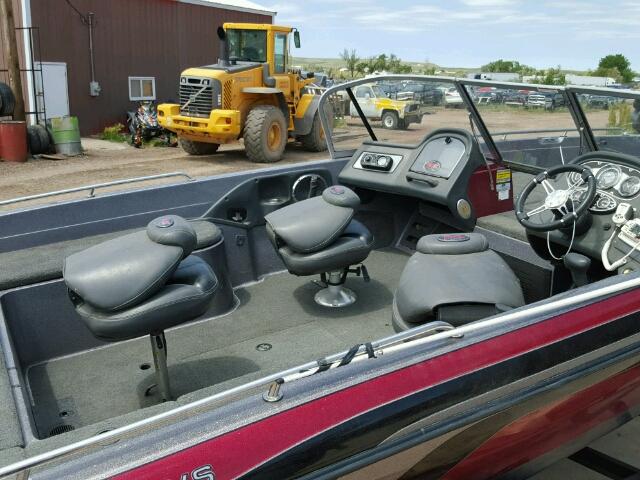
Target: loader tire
[(7, 100), (198, 148), (265, 134), (315, 140)]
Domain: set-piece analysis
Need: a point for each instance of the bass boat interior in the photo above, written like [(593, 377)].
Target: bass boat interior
[(136, 326)]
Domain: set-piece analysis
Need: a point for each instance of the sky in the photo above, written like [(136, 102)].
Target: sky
[(468, 33)]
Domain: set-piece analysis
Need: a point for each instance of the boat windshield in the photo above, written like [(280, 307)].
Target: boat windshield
[(530, 126), (396, 109), (614, 120)]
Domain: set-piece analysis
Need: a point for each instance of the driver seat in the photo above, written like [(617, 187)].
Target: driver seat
[(454, 278)]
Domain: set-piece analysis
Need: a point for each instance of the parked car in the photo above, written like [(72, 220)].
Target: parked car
[(452, 98), (421, 92), (489, 95), (548, 101), (600, 101), (515, 97)]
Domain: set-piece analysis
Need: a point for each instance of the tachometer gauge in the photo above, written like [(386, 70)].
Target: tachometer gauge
[(573, 178), (607, 177), (630, 186)]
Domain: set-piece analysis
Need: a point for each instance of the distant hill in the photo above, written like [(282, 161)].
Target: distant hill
[(325, 64), (336, 63)]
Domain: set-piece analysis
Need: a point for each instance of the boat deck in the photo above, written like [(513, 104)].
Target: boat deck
[(215, 354)]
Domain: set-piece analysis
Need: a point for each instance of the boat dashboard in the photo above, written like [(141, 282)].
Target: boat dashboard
[(439, 171), (611, 229), (615, 182)]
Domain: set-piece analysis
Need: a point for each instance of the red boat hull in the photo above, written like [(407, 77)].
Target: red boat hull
[(528, 430)]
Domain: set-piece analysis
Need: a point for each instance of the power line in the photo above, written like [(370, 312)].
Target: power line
[(82, 17)]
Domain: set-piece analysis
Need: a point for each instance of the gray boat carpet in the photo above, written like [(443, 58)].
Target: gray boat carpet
[(276, 326)]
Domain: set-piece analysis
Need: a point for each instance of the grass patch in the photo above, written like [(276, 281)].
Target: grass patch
[(114, 133)]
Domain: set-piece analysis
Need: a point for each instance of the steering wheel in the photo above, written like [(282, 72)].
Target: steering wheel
[(556, 200)]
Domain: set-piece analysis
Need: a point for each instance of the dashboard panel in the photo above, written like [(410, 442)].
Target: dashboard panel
[(437, 170), (615, 183), (439, 157)]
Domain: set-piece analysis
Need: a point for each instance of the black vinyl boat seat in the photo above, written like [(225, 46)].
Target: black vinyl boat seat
[(320, 236), (141, 284), (454, 278), (42, 263)]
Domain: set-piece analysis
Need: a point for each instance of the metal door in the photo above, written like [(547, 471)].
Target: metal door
[(53, 89)]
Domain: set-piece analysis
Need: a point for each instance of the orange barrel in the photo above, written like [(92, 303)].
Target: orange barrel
[(13, 141)]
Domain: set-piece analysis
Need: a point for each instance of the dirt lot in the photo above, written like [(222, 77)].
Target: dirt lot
[(106, 161)]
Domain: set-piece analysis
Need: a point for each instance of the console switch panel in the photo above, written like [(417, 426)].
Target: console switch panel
[(371, 161)]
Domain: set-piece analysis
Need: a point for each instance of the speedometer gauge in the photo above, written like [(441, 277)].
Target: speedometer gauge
[(630, 186), (607, 177)]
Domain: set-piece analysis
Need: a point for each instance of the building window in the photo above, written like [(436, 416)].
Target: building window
[(142, 88)]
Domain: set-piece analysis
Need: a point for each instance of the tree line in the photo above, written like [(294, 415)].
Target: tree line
[(615, 66), (380, 63)]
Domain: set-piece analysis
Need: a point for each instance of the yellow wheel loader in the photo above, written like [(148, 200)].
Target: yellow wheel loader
[(251, 93)]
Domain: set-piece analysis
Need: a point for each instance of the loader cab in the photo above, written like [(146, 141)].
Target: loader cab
[(262, 43)]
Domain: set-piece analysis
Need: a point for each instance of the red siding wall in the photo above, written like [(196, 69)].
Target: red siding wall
[(151, 38)]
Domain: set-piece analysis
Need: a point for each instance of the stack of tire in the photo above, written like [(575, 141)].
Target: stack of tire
[(38, 138), (7, 100)]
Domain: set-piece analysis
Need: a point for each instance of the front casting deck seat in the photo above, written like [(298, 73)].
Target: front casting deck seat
[(320, 236), (141, 284), (454, 278)]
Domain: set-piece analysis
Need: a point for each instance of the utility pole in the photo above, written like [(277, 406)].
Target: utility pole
[(10, 50)]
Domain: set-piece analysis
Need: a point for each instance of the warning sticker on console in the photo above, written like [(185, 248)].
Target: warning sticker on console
[(503, 175)]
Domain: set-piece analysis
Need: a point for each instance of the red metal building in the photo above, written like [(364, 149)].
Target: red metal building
[(139, 49)]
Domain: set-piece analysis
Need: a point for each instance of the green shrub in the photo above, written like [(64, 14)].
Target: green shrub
[(612, 121), (114, 133), (625, 117)]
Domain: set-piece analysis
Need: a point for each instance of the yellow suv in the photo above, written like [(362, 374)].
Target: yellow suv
[(376, 105)]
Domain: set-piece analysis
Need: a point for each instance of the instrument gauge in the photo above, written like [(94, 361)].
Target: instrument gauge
[(603, 203), (578, 195), (607, 177), (573, 178), (630, 186)]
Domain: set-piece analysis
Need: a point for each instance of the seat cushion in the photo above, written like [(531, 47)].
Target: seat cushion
[(308, 226), (350, 248), (315, 223), (186, 296), (42, 263), (430, 281), (124, 271)]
